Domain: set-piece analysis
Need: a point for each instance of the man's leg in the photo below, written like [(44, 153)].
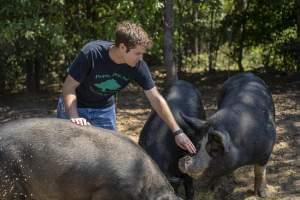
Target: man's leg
[(104, 117), (100, 117)]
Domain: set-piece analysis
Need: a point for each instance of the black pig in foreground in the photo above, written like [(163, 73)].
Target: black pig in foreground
[(158, 141), (242, 132), (53, 159)]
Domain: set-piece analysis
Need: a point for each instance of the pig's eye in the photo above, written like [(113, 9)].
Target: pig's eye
[(214, 148)]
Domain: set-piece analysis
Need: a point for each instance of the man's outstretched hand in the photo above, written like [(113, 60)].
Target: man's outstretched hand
[(185, 143)]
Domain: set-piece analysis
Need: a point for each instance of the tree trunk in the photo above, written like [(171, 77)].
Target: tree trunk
[(32, 75), (37, 68), (240, 6), (168, 43), (90, 13), (297, 3), (30, 83), (196, 39), (297, 44), (240, 59), (2, 86), (2, 77), (241, 48), (210, 49)]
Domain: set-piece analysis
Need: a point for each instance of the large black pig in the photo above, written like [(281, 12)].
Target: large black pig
[(53, 159), (158, 141), (241, 132)]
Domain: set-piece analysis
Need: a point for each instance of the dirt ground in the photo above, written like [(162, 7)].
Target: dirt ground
[(283, 172)]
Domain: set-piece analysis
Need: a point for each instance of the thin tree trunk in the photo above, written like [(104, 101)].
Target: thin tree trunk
[(196, 39), (33, 75), (240, 59), (241, 48), (30, 83), (2, 77), (240, 6), (37, 69), (90, 13), (210, 49), (168, 43), (297, 3)]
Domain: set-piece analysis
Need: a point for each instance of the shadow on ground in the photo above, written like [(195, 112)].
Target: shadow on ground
[(283, 172)]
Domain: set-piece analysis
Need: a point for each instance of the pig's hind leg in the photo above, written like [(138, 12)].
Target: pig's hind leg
[(260, 182)]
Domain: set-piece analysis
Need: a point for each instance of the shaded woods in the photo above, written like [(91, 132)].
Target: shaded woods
[(38, 40)]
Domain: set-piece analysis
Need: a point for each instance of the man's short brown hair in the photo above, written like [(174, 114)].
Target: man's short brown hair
[(131, 35)]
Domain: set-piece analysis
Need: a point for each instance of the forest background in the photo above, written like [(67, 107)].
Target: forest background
[(39, 39)]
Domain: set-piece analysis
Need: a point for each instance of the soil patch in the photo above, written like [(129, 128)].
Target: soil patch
[(283, 172)]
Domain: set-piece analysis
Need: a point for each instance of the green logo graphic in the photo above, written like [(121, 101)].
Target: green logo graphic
[(108, 85)]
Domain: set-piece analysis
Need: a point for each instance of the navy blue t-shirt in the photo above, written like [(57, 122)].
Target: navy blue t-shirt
[(100, 78)]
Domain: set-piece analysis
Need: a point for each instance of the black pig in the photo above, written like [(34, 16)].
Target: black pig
[(242, 132), (158, 141)]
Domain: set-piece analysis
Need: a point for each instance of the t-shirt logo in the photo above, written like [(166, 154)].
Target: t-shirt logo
[(108, 86)]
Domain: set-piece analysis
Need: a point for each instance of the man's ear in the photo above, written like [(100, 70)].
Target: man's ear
[(122, 47), (194, 123)]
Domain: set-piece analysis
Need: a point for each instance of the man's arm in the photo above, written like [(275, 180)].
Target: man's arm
[(161, 107), (70, 101)]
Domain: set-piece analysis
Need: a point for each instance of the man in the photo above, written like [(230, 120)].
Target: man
[(101, 70)]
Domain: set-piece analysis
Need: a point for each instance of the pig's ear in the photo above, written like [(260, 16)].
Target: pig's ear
[(217, 144), (194, 123)]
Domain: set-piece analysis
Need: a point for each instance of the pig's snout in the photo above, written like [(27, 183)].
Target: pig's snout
[(191, 166), (184, 163)]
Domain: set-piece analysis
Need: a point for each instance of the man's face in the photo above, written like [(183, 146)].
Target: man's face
[(133, 56)]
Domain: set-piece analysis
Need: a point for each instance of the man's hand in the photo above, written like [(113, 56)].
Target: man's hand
[(185, 143), (80, 121)]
